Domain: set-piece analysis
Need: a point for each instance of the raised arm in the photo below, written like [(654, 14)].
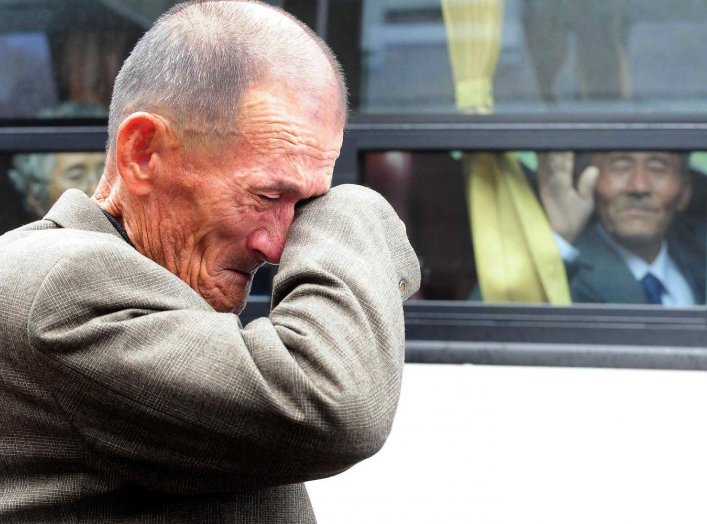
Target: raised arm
[(166, 393), (568, 207)]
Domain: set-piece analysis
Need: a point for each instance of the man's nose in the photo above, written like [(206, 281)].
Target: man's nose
[(639, 181), (269, 240), (269, 246)]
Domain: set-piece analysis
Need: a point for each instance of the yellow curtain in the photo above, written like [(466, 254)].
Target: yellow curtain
[(517, 259), (516, 255), (474, 42)]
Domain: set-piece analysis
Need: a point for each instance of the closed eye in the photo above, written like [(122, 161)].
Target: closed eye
[(269, 198)]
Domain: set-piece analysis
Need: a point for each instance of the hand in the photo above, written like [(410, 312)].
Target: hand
[(568, 208)]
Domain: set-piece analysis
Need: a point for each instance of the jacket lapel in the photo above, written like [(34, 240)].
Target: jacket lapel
[(602, 270), (692, 268)]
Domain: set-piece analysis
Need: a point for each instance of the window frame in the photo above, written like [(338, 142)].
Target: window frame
[(612, 335)]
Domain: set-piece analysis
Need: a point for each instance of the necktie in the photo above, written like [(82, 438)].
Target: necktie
[(653, 287)]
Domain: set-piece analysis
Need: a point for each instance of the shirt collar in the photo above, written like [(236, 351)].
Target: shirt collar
[(118, 227), (661, 267)]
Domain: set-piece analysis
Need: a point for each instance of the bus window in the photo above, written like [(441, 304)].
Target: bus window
[(624, 227)]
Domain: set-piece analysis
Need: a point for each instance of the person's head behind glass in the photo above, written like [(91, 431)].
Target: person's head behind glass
[(639, 194), (41, 178)]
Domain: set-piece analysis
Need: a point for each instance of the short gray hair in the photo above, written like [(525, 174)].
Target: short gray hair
[(199, 58)]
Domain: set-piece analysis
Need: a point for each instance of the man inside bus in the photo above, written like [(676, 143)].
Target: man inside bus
[(41, 178), (615, 225), (130, 392)]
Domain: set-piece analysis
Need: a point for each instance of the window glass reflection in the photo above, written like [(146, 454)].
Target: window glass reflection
[(552, 227), (69, 52), (57, 52), (524, 56)]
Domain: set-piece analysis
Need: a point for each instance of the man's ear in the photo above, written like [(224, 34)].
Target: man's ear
[(142, 142)]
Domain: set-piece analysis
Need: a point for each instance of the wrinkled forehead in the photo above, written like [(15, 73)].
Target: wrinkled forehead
[(278, 119), (314, 105)]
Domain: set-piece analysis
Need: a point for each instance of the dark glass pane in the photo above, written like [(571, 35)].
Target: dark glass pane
[(59, 59)]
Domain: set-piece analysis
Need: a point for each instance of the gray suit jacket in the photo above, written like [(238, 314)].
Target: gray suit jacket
[(600, 275), (126, 398)]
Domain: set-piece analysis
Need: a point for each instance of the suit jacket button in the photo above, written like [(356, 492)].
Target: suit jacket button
[(403, 285)]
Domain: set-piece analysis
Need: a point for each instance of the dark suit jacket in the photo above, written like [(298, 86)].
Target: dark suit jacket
[(126, 398), (600, 275)]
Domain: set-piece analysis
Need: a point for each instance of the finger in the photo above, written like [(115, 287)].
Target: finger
[(555, 168), (587, 182), (561, 162), (545, 164), (550, 158)]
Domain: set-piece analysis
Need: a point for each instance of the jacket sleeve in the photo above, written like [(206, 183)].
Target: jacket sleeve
[(168, 394)]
